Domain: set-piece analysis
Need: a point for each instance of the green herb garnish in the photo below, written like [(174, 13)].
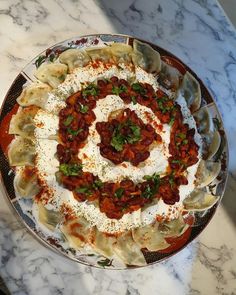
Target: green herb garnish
[(119, 139), (185, 141), (117, 90), (181, 135), (91, 89), (68, 120), (70, 169), (139, 88), (134, 100), (97, 184), (41, 59), (74, 132), (150, 191), (176, 162), (172, 120), (83, 190), (83, 108), (119, 192)]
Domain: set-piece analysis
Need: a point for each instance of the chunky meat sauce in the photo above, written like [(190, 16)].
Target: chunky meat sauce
[(123, 138)]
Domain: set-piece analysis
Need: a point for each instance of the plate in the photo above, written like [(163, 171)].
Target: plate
[(23, 207)]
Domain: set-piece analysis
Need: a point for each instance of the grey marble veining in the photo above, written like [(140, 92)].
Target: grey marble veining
[(196, 31)]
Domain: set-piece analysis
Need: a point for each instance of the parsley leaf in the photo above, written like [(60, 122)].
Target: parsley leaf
[(97, 184), (133, 98), (70, 169), (117, 90), (83, 108), (118, 139), (139, 88), (74, 132), (119, 192), (83, 190), (41, 59), (68, 120), (136, 134), (91, 89)]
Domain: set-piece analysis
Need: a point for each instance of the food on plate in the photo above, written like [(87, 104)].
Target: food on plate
[(114, 150)]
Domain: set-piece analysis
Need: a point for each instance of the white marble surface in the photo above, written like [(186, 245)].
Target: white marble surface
[(198, 32)]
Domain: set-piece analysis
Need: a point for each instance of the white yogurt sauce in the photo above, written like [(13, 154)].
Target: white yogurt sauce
[(47, 164)]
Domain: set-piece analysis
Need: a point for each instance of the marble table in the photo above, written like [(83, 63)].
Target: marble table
[(199, 33)]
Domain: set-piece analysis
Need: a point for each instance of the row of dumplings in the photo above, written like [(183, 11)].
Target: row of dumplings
[(127, 247)]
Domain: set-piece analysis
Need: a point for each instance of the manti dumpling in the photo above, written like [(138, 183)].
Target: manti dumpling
[(74, 58), (146, 57), (102, 243), (128, 251), (52, 74), (23, 122), (34, 94), (26, 182), (48, 218), (21, 152), (200, 200), (191, 91), (77, 232), (149, 237)]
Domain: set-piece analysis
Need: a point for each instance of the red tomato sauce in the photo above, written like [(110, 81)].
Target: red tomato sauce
[(178, 242), (4, 128)]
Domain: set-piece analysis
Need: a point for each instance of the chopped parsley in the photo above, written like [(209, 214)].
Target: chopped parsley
[(83, 190), (83, 108), (74, 132), (97, 184), (151, 190), (139, 88), (119, 192), (118, 139), (68, 120), (70, 169), (117, 90), (41, 59), (91, 89), (172, 120), (134, 100), (181, 135)]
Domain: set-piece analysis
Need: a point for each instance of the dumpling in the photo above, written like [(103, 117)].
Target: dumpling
[(128, 251), (121, 52), (204, 122), (149, 237), (146, 57), (169, 76), (207, 172), (52, 74), (74, 58), (48, 218), (26, 182), (211, 144), (23, 122), (34, 94), (77, 232), (102, 243), (200, 200), (173, 228), (99, 53), (21, 152), (191, 91)]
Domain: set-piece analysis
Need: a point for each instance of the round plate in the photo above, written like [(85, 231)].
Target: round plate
[(23, 206)]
